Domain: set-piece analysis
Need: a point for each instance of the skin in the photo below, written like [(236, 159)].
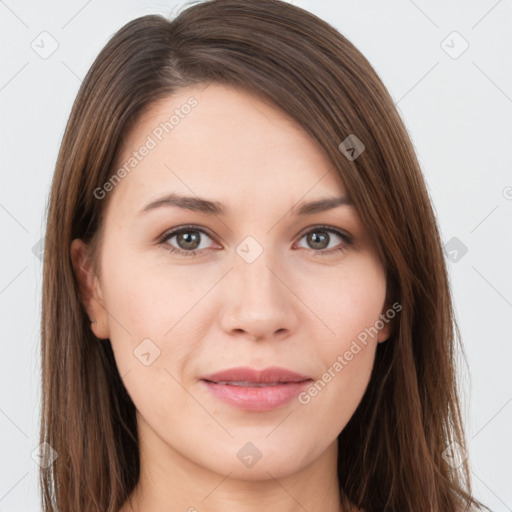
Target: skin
[(291, 307)]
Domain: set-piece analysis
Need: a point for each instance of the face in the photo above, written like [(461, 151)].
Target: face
[(185, 292)]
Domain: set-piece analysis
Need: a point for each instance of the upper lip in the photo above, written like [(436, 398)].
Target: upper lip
[(246, 374)]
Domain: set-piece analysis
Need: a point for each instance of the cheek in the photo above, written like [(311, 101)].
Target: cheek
[(142, 309), (346, 369), (348, 300), (145, 297), (156, 321), (350, 305), (150, 337)]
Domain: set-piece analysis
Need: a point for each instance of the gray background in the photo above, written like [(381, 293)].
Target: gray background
[(456, 106)]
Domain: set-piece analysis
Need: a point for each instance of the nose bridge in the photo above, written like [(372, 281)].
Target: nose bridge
[(259, 302), (255, 266)]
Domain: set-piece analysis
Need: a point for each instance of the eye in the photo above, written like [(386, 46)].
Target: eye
[(188, 239), (319, 239)]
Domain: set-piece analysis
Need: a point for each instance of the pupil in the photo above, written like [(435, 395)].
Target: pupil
[(316, 239), (188, 240)]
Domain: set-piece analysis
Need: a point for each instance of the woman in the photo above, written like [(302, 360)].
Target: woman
[(245, 299)]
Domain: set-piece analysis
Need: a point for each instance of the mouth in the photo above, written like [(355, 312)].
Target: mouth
[(256, 390), (247, 384)]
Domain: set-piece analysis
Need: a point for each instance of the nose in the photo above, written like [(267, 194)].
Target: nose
[(257, 300)]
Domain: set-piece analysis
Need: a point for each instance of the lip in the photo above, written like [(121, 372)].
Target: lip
[(256, 390)]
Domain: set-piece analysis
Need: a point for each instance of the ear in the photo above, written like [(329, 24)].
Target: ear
[(89, 286), (386, 328), (385, 332)]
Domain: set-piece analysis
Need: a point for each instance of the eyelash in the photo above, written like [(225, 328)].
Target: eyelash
[(183, 229)]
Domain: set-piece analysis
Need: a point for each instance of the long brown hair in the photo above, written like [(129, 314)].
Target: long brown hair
[(391, 453)]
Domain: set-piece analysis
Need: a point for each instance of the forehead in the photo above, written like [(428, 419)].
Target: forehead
[(223, 142)]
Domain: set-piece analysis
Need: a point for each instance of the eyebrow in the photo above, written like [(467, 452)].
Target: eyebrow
[(207, 207)]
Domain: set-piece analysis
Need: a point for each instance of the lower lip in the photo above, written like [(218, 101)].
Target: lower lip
[(264, 398)]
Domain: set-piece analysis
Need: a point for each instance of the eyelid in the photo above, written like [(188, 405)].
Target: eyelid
[(326, 227), (179, 229), (194, 227)]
